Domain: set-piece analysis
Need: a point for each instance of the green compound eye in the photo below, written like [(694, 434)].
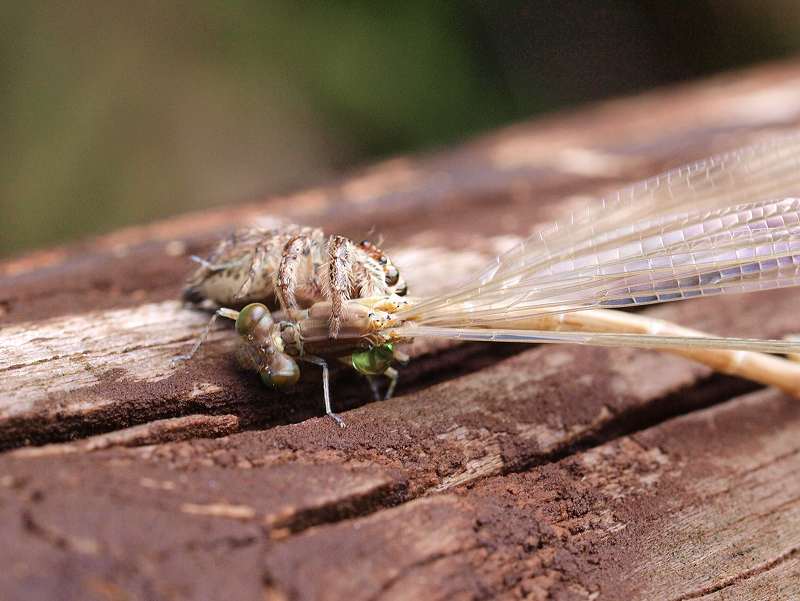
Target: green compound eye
[(253, 320), (374, 361), (281, 373)]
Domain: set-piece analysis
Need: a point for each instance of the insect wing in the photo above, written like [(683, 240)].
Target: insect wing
[(695, 236)]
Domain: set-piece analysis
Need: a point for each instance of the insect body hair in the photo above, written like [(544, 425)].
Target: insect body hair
[(291, 268)]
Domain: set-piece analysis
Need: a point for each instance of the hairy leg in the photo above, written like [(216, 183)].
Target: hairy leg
[(287, 275), (369, 278), (223, 247), (257, 261), (340, 266), (211, 265)]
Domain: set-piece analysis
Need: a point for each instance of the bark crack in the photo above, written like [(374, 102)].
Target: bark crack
[(746, 575), (406, 570), (82, 545)]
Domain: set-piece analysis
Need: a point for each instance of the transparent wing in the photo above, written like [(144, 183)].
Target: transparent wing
[(711, 228), (731, 250), (756, 173)]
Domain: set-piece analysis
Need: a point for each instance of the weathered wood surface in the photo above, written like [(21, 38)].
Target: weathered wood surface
[(497, 472)]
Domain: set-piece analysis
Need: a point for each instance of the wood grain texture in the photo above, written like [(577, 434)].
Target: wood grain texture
[(689, 509), (498, 471)]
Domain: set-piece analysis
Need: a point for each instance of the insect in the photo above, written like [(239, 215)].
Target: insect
[(272, 348), (287, 269), (292, 267), (727, 224)]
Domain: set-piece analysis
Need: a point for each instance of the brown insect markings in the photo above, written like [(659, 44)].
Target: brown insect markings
[(340, 268), (292, 267), (287, 274)]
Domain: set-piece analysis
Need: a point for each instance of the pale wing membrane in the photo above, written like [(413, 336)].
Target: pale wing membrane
[(703, 202), (753, 174), (730, 250), (729, 224)]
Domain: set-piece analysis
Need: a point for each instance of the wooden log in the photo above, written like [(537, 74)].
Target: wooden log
[(704, 506), (497, 471)]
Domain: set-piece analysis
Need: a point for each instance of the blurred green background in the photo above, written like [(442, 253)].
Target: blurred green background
[(117, 112)]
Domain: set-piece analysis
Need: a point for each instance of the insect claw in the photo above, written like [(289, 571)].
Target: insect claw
[(178, 359), (338, 419)]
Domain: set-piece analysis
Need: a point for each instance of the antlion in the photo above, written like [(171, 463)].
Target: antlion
[(724, 225)]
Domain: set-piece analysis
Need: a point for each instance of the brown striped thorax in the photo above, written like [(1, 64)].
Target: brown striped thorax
[(291, 268)]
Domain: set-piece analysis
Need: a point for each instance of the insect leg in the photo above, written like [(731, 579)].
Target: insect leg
[(326, 393), (368, 276), (210, 267), (212, 263), (286, 276), (373, 385), (256, 262), (340, 267), (393, 376), (198, 343)]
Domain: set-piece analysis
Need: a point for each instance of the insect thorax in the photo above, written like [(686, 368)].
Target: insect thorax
[(291, 266)]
